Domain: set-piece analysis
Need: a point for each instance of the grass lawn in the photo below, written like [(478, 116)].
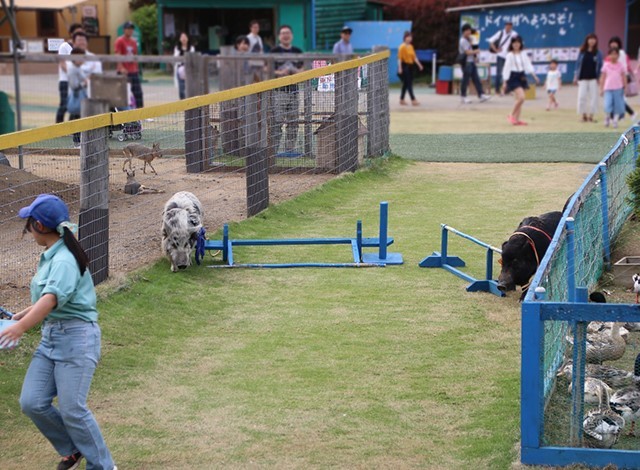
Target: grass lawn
[(552, 147), (395, 367)]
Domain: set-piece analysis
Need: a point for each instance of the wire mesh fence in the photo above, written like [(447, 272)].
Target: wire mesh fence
[(575, 367), (36, 92), (238, 151)]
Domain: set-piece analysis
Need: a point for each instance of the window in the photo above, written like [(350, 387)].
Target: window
[(46, 21)]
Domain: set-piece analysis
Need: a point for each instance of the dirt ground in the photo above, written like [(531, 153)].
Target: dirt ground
[(134, 221)]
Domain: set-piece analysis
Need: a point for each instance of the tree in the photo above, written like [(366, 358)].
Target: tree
[(146, 19), (135, 4)]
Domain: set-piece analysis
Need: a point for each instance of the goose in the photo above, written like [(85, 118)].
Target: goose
[(594, 389), (610, 375), (602, 426), (626, 401), (605, 345), (605, 327)]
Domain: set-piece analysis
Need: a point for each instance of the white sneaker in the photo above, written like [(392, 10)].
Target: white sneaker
[(484, 98), (466, 100), (606, 121), (634, 117)]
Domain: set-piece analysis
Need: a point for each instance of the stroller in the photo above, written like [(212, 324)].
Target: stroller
[(128, 130)]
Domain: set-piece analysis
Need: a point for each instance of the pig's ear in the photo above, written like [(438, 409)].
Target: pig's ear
[(193, 239)]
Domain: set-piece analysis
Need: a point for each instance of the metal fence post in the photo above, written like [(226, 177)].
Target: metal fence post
[(255, 152), (531, 378), (193, 118), (346, 112), (377, 106), (571, 261), (577, 383), (308, 118), (604, 196), (93, 230), (384, 105)]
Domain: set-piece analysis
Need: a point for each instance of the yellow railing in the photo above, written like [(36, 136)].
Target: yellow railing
[(29, 136)]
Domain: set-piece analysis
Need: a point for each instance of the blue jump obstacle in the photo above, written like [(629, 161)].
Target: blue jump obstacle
[(360, 259), (450, 263)]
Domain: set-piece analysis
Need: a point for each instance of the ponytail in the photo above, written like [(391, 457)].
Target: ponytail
[(74, 247)]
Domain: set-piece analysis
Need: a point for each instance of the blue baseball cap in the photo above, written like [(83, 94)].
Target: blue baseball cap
[(47, 209)]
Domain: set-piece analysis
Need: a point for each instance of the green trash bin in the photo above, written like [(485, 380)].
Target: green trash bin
[(7, 116)]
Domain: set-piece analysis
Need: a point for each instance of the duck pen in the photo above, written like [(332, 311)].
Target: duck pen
[(563, 422)]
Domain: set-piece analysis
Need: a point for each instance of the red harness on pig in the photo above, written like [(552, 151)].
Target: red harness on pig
[(530, 241)]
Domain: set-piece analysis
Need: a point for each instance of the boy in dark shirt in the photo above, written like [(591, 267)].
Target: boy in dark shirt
[(285, 99)]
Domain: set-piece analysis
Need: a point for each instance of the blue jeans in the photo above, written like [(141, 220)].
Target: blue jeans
[(63, 90), (499, 66), (470, 72), (63, 366), (614, 102), (136, 88), (182, 90)]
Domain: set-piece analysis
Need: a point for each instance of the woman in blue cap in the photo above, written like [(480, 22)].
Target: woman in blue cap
[(63, 298)]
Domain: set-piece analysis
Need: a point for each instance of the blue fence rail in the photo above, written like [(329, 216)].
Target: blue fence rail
[(556, 307)]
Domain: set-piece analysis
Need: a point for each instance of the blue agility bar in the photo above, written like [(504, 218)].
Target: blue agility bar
[(357, 244), (451, 263)]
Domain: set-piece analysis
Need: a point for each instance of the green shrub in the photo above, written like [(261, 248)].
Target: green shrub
[(633, 181), (146, 18)]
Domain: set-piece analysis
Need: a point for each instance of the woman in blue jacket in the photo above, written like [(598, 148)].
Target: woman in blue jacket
[(587, 74)]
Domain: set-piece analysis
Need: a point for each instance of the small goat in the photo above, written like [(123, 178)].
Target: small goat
[(142, 152)]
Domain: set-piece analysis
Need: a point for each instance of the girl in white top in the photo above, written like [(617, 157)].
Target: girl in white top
[(514, 74), (553, 83), (183, 46)]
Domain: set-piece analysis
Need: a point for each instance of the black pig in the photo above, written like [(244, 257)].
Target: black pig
[(525, 248)]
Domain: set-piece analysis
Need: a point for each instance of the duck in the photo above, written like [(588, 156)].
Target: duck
[(626, 401), (606, 345), (612, 376), (602, 426)]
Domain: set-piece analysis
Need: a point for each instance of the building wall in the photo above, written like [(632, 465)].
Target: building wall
[(118, 13), (26, 21), (331, 15), (549, 30), (610, 21)]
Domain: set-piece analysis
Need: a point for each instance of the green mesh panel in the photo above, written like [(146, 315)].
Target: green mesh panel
[(589, 246)]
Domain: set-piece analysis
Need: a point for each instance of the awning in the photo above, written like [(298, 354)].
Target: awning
[(493, 5), (44, 4)]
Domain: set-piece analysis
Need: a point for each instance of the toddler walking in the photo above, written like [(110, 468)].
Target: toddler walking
[(553, 84), (613, 79)]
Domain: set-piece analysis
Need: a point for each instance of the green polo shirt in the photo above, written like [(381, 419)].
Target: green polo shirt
[(58, 274)]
